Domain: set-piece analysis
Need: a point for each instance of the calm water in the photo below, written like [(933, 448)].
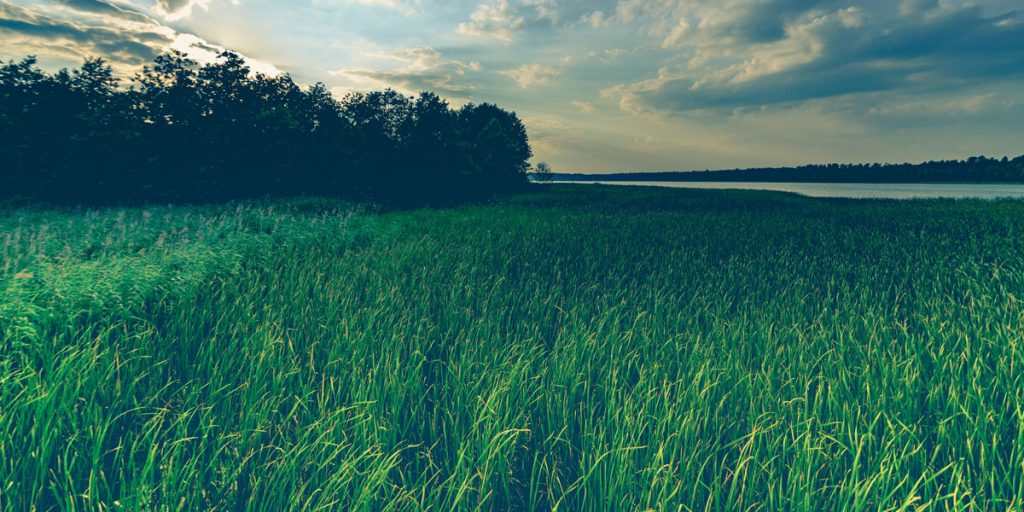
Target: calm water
[(851, 190)]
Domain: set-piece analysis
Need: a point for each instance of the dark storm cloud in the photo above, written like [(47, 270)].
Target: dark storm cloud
[(17, 23), (63, 32), (951, 49), (681, 95), (409, 81), (765, 22), (962, 34), (106, 8), (93, 41)]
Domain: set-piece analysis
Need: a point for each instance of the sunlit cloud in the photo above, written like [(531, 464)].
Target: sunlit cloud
[(529, 75), (414, 70), (406, 7), (173, 10), (71, 31), (497, 21), (584, 106)]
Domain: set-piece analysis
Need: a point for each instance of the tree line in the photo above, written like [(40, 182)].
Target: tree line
[(976, 169), (184, 132)]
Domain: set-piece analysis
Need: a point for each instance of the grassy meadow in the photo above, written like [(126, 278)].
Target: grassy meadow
[(580, 348)]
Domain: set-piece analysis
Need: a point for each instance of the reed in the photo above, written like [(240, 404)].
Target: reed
[(583, 348)]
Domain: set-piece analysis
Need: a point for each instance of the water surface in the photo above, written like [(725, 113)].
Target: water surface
[(850, 190)]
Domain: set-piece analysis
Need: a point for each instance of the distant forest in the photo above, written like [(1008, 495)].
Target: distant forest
[(977, 169), (183, 132)]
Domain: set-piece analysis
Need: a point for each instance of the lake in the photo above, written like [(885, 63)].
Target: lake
[(849, 190)]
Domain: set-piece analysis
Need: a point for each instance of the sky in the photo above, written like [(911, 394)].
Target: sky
[(614, 85)]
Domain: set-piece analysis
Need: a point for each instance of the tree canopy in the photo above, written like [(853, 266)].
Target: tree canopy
[(184, 132)]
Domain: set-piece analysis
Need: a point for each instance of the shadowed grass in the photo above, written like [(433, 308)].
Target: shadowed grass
[(584, 348)]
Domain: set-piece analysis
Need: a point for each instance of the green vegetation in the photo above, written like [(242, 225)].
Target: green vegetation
[(584, 348)]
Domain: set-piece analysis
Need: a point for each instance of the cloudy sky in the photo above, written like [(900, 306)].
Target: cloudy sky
[(607, 85)]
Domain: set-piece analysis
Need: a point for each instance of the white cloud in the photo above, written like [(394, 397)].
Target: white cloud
[(497, 21), (203, 52), (675, 35), (584, 106), (406, 7), (529, 75), (390, 4), (173, 10), (545, 9), (596, 19), (418, 69)]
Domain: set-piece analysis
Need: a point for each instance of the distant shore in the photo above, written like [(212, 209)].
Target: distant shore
[(974, 170), (839, 190)]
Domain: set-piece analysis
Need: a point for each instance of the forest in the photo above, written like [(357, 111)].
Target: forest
[(181, 132)]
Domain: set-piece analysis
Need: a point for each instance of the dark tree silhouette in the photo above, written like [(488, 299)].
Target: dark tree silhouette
[(495, 144), (184, 132), (542, 173)]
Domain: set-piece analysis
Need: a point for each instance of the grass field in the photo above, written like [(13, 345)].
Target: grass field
[(585, 348)]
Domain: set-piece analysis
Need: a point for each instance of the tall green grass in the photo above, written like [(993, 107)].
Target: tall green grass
[(586, 348)]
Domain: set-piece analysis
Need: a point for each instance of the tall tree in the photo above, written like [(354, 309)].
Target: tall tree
[(189, 132)]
